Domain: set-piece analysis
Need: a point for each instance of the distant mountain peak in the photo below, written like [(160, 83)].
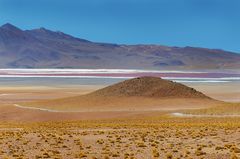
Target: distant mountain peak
[(46, 33), (10, 34), (9, 26), (42, 30)]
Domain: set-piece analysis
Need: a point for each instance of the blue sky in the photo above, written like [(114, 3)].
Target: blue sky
[(201, 23)]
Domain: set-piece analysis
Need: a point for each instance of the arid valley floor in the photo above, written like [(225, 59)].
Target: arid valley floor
[(42, 133)]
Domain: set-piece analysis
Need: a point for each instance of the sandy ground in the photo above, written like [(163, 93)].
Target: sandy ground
[(143, 138), (228, 91), (13, 95), (14, 114), (33, 93), (93, 104), (26, 133)]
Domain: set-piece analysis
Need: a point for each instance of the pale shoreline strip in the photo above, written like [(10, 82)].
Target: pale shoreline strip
[(203, 115), (35, 108)]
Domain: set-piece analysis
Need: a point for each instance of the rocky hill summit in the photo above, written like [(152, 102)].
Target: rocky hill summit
[(153, 87)]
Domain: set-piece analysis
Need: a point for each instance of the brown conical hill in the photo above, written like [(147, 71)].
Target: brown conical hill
[(148, 87), (138, 94)]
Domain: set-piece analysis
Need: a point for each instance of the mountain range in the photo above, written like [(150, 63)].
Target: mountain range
[(43, 48)]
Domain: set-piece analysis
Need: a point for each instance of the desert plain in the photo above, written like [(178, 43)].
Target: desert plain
[(32, 128)]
